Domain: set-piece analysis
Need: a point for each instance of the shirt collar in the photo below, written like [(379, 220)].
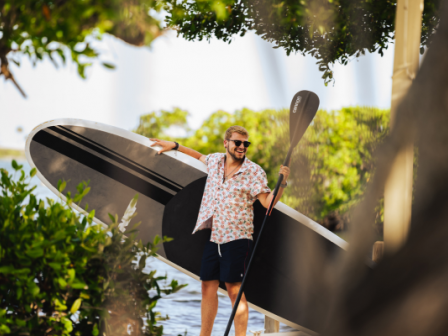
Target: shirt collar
[(245, 165)]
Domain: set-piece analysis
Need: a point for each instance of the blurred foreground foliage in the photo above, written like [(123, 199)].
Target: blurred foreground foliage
[(58, 29), (62, 274), (331, 166)]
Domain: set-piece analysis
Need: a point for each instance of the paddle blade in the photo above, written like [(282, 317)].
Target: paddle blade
[(303, 108)]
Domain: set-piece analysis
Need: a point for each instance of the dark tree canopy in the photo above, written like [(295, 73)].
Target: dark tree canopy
[(329, 30), (61, 28)]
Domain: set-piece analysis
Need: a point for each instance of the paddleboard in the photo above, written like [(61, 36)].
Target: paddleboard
[(119, 164)]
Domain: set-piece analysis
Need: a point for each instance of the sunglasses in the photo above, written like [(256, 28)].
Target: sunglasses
[(239, 142)]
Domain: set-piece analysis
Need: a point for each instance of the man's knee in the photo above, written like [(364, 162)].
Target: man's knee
[(210, 287), (232, 289)]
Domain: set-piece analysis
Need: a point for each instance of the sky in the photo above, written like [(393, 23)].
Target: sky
[(198, 76)]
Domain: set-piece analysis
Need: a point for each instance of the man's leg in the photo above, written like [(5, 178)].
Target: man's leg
[(209, 306), (242, 313)]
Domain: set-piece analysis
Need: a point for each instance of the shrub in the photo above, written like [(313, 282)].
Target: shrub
[(62, 274)]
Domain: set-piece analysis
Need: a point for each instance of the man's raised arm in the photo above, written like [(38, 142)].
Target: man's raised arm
[(170, 145)]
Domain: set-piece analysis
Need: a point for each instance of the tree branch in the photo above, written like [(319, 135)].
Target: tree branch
[(4, 70)]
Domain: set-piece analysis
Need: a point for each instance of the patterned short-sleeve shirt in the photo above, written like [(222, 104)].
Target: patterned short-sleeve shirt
[(227, 208)]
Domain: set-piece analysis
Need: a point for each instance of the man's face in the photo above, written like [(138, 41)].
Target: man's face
[(239, 152)]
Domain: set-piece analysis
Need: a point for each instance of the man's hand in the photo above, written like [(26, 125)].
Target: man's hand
[(266, 198), (285, 172), (166, 145)]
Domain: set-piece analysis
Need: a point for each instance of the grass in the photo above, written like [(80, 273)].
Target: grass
[(6, 153)]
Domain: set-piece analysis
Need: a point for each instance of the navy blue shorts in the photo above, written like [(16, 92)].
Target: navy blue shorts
[(231, 265)]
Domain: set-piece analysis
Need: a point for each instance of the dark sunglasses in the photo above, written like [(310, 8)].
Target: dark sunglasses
[(239, 142)]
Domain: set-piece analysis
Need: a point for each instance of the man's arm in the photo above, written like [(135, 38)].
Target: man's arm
[(169, 145), (266, 198)]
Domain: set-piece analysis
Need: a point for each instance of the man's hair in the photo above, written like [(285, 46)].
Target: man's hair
[(235, 129)]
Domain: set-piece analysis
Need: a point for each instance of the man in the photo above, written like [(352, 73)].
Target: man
[(234, 183)]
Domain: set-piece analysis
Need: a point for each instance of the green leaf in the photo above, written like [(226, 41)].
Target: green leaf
[(68, 325), (21, 271), (91, 214), (61, 185), (35, 253), (19, 293), (86, 191), (95, 331), (167, 239), (108, 65), (71, 274), (78, 285), (6, 269), (56, 266), (156, 240), (34, 290), (60, 306), (142, 262), (76, 306), (62, 283), (15, 166), (84, 296), (20, 322), (4, 329)]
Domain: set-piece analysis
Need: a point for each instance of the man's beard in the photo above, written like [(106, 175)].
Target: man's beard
[(234, 156)]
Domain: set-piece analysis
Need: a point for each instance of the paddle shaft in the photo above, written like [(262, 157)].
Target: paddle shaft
[(268, 213)]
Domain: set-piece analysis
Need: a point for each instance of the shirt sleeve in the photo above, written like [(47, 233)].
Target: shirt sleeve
[(260, 185)]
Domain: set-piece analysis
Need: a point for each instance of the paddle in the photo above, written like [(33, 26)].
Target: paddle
[(303, 108)]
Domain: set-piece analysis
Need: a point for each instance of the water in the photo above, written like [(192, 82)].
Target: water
[(184, 307)]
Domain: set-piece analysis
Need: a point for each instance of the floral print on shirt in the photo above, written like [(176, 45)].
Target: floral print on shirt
[(227, 208)]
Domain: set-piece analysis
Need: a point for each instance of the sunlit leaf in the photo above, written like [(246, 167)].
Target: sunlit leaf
[(76, 306)]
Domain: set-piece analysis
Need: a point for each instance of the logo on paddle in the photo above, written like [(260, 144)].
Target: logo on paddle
[(299, 98)]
